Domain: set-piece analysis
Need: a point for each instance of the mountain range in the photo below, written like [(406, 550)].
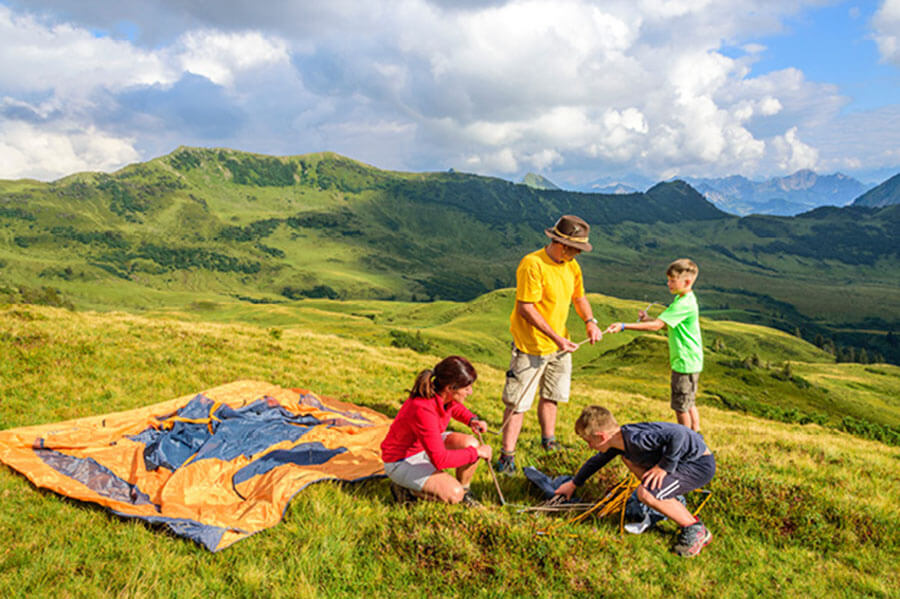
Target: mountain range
[(216, 222), (785, 196)]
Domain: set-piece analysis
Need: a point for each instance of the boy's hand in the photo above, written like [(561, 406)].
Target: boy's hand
[(653, 478), (642, 315), (479, 426), (615, 327), (565, 489)]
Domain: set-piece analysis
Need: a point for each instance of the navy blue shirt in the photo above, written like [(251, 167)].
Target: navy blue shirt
[(649, 444)]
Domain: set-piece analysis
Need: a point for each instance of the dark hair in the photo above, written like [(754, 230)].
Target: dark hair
[(453, 371)]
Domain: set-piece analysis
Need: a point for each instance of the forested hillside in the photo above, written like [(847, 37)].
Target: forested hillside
[(275, 229)]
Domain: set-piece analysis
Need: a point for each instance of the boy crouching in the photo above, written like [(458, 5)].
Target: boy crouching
[(670, 459)]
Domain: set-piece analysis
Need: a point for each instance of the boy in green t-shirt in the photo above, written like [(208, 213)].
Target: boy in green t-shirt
[(682, 318)]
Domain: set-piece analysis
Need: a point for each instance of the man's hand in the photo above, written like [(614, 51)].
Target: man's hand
[(594, 333), (565, 345), (653, 478), (565, 489)]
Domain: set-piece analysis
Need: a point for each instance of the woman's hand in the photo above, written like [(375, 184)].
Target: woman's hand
[(478, 426), (485, 451)]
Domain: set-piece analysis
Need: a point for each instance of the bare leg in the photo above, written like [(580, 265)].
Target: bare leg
[(671, 508), (441, 486), (690, 419), (547, 417), (512, 429), (695, 418), (465, 473)]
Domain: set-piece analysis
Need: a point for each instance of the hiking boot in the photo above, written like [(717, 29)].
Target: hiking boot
[(402, 495), (550, 444), (692, 539), (505, 465), (469, 500)]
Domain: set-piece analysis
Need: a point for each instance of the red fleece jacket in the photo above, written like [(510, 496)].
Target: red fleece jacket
[(419, 425)]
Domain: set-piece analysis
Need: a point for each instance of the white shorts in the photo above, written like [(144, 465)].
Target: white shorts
[(412, 472)]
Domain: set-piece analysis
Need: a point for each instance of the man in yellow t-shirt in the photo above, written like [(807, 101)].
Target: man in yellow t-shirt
[(548, 282)]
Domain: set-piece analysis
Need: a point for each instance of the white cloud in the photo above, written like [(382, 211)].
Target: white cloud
[(218, 56), (37, 57), (793, 154), (42, 153), (886, 25), (636, 85)]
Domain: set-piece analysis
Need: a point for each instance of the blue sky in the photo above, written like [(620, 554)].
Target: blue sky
[(575, 90)]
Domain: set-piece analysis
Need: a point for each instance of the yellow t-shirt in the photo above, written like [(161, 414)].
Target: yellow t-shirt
[(551, 287)]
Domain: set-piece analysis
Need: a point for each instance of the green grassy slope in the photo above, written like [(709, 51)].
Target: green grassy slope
[(202, 224), (797, 510)]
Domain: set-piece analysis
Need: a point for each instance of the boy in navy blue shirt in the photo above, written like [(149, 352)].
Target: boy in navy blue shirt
[(670, 459)]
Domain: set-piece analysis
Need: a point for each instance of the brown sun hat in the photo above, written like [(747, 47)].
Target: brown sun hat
[(571, 231)]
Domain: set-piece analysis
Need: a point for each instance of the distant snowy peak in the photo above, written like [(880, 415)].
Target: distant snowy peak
[(802, 191), (614, 188)]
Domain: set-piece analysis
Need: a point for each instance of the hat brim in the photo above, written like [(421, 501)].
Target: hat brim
[(584, 247)]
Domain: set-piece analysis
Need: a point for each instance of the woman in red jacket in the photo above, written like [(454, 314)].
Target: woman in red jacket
[(418, 448)]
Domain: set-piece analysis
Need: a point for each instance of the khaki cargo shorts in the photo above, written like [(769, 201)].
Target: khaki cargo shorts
[(528, 374), (684, 390)]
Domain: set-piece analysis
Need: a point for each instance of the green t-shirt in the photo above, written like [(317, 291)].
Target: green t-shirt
[(682, 318)]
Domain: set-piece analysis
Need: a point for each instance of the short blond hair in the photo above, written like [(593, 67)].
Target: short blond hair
[(594, 419), (682, 266)]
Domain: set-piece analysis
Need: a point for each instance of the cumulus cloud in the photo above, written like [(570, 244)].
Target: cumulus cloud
[(495, 87), (793, 154), (886, 26), (40, 152)]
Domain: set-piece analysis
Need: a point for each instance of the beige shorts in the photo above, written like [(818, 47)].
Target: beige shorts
[(528, 374), (684, 390)]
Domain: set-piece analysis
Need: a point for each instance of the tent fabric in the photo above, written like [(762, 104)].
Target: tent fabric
[(215, 466)]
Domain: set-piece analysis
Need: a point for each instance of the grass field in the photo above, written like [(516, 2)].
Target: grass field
[(797, 510)]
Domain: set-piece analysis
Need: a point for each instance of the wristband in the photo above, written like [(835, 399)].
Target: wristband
[(623, 327)]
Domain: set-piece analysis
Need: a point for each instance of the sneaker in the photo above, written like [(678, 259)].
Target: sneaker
[(402, 495), (692, 539), (637, 528), (550, 444), (469, 500), (505, 465)]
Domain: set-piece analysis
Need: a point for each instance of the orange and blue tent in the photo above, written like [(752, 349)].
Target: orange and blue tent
[(215, 466)]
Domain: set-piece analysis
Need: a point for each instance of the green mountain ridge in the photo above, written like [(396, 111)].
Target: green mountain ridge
[(216, 222), (886, 194)]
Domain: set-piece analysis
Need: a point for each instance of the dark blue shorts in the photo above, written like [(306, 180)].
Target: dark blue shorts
[(689, 476)]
